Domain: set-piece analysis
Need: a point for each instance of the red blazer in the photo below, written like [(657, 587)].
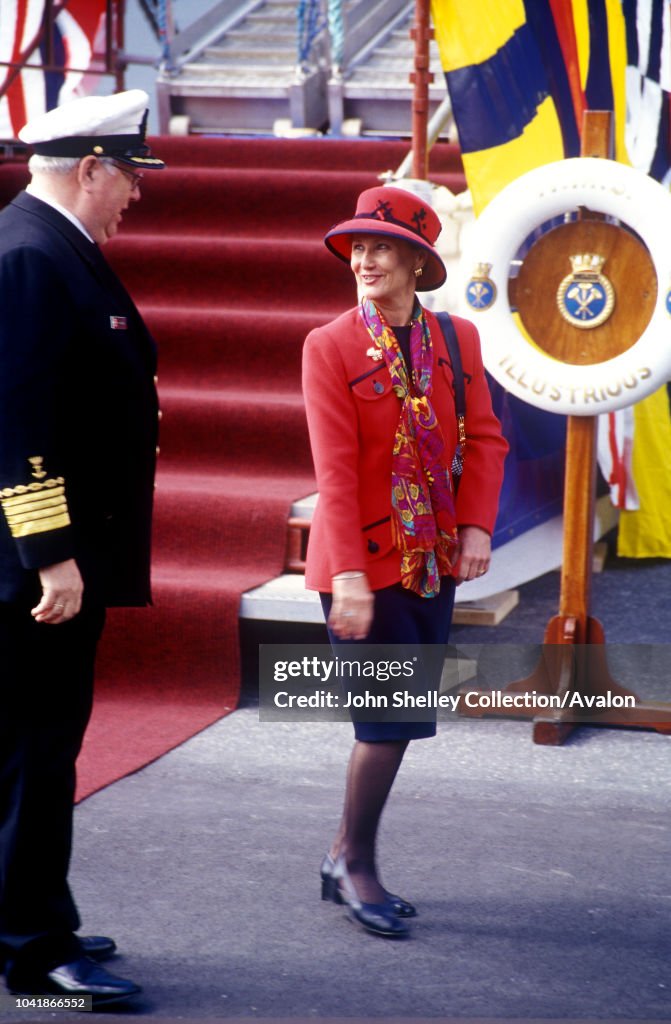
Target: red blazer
[(352, 417)]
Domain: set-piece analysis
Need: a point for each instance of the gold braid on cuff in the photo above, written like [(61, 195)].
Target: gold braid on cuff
[(36, 507)]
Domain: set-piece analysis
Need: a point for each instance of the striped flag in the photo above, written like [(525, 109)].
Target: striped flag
[(648, 84), (78, 36)]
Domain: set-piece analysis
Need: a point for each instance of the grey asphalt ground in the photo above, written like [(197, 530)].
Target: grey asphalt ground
[(542, 875)]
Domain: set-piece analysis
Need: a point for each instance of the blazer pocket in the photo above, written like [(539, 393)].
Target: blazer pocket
[(448, 373), (377, 538), (373, 385)]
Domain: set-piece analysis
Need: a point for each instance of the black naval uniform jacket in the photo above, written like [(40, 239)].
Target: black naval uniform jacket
[(78, 413)]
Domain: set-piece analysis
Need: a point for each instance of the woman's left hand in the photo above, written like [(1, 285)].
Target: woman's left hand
[(474, 553)]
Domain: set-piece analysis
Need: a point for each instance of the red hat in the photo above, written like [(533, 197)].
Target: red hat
[(385, 210)]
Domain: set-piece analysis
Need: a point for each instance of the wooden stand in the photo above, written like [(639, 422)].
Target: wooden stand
[(574, 655)]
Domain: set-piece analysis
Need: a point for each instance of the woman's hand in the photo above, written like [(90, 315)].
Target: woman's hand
[(475, 551), (352, 607)]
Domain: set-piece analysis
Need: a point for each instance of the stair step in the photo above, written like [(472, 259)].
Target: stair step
[(245, 68), (253, 53), (261, 35), (283, 599), (274, 11), (380, 82), (239, 78), (378, 91), (259, 68), (402, 62)]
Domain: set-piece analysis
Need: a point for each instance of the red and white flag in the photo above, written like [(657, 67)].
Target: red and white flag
[(615, 446), (79, 32)]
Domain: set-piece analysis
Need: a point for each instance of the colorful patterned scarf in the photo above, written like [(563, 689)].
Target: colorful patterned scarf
[(423, 517)]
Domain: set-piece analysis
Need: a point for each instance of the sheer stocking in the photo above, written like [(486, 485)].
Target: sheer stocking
[(370, 776)]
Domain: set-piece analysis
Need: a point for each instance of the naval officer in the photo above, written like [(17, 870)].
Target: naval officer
[(78, 432)]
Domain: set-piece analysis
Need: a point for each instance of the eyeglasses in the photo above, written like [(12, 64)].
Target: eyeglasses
[(134, 179)]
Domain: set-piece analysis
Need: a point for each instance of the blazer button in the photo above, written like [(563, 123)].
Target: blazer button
[(378, 387), (373, 547)]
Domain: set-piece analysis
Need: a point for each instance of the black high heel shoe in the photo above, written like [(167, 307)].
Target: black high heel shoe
[(378, 918), (330, 890)]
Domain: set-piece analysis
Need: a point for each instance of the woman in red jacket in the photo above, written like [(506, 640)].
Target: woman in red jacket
[(390, 538)]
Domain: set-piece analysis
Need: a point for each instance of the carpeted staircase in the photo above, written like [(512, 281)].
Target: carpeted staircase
[(224, 257)]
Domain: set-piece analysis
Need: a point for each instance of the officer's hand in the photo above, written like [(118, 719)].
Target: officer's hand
[(62, 589)]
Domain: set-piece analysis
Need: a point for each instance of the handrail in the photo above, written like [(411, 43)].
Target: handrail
[(165, 29), (336, 24), (364, 23), (310, 24), (187, 44), (114, 63)]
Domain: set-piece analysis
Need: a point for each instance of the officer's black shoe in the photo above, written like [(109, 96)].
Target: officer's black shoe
[(82, 977)]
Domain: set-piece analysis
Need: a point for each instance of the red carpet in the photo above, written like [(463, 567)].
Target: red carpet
[(224, 257)]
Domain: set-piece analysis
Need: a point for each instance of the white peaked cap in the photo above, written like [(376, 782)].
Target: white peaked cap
[(111, 126)]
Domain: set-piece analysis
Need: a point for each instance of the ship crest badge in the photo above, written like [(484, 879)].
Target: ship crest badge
[(481, 290), (586, 297)]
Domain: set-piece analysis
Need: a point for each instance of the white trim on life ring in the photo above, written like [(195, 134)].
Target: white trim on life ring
[(546, 192)]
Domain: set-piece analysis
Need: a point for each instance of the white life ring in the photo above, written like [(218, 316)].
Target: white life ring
[(603, 186)]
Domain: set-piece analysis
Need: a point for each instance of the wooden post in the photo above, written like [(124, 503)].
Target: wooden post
[(421, 77), (579, 488), (580, 472)]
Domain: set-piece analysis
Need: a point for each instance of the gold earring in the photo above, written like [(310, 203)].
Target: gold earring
[(419, 272)]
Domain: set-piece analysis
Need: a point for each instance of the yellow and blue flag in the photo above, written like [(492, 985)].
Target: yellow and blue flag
[(521, 73)]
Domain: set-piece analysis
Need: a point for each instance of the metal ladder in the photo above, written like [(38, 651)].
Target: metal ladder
[(236, 70)]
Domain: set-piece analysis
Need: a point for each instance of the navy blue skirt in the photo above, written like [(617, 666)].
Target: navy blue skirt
[(402, 617)]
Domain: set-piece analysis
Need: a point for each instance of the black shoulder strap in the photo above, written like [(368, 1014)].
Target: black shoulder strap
[(454, 352)]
